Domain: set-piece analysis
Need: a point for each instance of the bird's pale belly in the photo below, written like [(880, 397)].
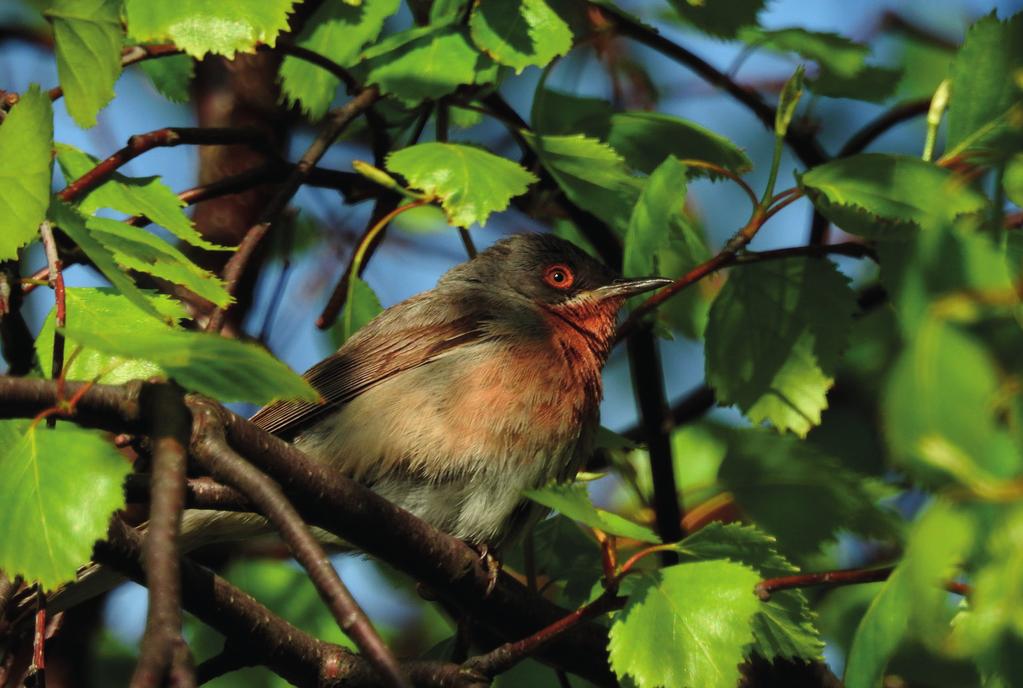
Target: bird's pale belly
[(457, 441)]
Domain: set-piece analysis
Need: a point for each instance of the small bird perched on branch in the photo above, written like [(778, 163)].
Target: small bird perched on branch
[(453, 402)]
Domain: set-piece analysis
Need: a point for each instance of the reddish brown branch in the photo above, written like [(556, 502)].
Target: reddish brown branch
[(335, 123), (160, 138), (171, 425), (212, 451), (766, 587)]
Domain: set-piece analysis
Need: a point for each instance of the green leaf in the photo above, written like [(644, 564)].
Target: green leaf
[(985, 86), (685, 626), (338, 31), (887, 196), (60, 488), (557, 113), (136, 249), (722, 18), (784, 625), (774, 338), (520, 33), (208, 26), (470, 182), (830, 51), (940, 410), (361, 306), (423, 63), (572, 501), (87, 40), (592, 175), (1013, 179), (912, 596), (132, 195), (645, 139), (172, 76), (791, 92), (763, 470), (105, 309), (73, 224), (874, 84), (226, 369), (26, 139)]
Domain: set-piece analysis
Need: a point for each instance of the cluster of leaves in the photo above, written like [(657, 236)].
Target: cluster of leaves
[(935, 373)]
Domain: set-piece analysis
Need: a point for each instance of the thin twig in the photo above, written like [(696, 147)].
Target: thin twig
[(765, 588), (211, 449), (164, 404), (334, 124), (56, 280), (903, 112)]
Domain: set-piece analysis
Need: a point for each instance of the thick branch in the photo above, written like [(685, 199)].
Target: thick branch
[(171, 423), (212, 451)]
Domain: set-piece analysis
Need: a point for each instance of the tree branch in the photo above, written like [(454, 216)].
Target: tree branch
[(333, 126), (211, 450), (765, 588), (164, 404)]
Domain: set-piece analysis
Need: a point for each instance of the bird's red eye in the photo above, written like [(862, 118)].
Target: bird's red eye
[(559, 276)]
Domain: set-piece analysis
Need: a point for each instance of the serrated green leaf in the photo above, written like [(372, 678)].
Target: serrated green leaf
[(470, 182), (520, 33), (198, 27), (26, 139), (831, 51), (361, 306), (985, 86), (423, 63), (87, 38), (685, 626), (136, 249), (940, 410), (791, 92), (338, 32), (106, 310), (873, 84), (172, 76), (60, 488), (147, 196), (645, 139), (592, 175), (912, 595), (883, 196), (763, 469), (225, 369), (722, 18), (784, 625), (774, 338), (572, 501), (73, 224)]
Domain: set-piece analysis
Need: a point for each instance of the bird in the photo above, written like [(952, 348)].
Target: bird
[(453, 402)]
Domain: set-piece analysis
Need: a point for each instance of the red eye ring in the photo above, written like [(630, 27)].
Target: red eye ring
[(559, 276)]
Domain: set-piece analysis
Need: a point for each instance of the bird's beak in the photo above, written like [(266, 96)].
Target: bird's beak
[(631, 287)]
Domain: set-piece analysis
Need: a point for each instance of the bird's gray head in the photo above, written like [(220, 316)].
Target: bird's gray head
[(547, 270)]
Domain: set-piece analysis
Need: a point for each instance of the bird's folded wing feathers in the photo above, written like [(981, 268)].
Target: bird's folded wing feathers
[(405, 337)]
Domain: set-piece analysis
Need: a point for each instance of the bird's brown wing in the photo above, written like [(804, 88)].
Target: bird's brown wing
[(406, 336)]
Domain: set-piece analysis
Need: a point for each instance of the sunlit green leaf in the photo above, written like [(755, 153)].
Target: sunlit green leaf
[(887, 196), (572, 501), (1013, 179), (470, 182), (520, 33), (784, 625), (87, 38), (26, 139), (208, 26), (147, 196), (60, 487), (592, 175), (774, 338), (337, 31), (685, 626), (106, 310)]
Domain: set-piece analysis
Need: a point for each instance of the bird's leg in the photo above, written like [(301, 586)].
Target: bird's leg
[(491, 563)]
